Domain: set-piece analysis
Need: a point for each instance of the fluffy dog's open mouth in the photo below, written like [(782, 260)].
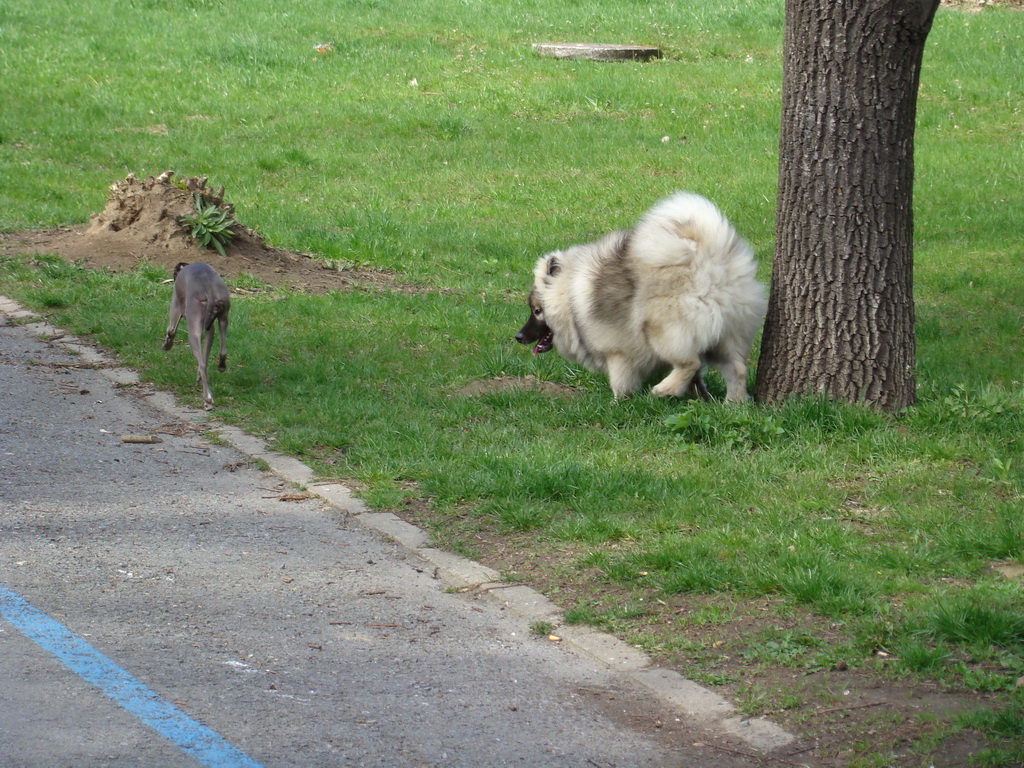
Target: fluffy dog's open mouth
[(546, 342)]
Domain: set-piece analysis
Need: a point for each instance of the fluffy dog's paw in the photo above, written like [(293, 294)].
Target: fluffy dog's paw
[(661, 390), (738, 398)]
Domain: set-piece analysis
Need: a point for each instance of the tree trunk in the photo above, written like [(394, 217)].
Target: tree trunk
[(841, 315)]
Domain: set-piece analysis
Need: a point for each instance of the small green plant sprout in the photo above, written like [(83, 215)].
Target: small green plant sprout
[(211, 225), (543, 628)]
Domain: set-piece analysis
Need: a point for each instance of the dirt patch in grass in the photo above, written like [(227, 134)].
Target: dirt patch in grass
[(514, 383), (141, 223)]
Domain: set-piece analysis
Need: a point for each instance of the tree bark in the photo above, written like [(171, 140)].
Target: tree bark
[(841, 315)]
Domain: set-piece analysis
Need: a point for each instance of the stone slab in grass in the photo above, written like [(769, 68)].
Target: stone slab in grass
[(597, 51)]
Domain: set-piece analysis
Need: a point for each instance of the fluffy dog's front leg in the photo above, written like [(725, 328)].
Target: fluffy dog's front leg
[(678, 380), (623, 376)]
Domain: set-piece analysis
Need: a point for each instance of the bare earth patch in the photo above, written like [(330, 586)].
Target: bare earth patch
[(140, 224), (513, 383)]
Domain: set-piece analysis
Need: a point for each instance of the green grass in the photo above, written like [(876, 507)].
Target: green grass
[(432, 142)]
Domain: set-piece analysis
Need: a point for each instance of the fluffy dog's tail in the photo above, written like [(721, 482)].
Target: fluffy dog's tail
[(683, 227)]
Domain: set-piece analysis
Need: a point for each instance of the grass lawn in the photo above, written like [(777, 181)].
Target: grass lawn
[(792, 558)]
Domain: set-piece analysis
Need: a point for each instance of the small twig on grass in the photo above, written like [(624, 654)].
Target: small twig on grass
[(852, 706), (485, 586)]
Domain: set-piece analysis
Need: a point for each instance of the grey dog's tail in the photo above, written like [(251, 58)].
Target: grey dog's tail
[(213, 311)]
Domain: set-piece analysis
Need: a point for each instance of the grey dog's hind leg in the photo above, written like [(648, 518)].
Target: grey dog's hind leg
[(222, 326), (200, 346)]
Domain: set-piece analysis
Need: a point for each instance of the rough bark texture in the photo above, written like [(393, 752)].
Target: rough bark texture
[(841, 315)]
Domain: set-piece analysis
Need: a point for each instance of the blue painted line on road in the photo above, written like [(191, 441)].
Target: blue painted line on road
[(81, 658)]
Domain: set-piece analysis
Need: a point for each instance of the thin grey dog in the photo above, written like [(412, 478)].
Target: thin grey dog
[(200, 296)]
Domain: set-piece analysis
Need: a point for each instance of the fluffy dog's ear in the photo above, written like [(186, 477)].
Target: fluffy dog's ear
[(553, 267)]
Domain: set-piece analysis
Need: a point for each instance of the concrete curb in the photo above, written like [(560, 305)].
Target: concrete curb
[(685, 697)]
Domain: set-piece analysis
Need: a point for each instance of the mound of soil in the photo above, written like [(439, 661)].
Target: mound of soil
[(141, 223)]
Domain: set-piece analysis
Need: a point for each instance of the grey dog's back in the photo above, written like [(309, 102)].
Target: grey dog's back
[(189, 278)]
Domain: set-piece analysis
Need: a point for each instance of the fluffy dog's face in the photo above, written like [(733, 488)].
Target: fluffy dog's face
[(536, 328)]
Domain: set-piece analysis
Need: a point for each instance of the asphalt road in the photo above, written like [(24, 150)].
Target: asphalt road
[(170, 604)]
